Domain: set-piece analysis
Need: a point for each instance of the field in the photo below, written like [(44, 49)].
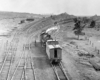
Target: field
[(23, 59)]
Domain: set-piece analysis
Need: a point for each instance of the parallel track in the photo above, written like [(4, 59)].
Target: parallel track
[(28, 65), (32, 67), (22, 70), (6, 67), (18, 70), (31, 60), (7, 63)]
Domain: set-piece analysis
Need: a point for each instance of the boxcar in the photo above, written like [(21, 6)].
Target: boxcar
[(54, 51)]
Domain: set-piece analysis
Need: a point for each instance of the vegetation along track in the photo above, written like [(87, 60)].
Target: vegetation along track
[(60, 72)]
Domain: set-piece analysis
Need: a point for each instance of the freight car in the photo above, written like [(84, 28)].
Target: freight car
[(54, 51), (44, 37)]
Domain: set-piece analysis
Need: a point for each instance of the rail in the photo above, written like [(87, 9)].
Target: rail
[(32, 66), (16, 69), (60, 72), (8, 60)]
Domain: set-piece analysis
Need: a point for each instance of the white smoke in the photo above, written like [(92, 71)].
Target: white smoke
[(54, 28)]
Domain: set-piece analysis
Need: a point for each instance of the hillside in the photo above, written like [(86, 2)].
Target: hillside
[(8, 15)]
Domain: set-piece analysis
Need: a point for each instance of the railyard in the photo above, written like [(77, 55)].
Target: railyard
[(23, 58)]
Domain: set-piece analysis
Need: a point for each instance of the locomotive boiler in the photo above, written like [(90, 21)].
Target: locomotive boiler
[(44, 37)]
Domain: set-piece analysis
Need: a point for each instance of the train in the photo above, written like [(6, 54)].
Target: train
[(44, 37), (52, 48)]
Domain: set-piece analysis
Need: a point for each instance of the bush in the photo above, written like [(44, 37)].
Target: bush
[(29, 19)]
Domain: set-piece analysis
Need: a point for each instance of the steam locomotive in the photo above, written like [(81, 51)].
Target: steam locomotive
[(52, 47)]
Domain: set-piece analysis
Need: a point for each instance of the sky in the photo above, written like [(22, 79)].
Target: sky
[(74, 7)]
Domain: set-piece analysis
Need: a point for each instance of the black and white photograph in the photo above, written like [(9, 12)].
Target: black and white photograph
[(49, 39)]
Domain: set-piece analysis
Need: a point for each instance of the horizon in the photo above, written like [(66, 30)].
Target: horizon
[(49, 14), (52, 7)]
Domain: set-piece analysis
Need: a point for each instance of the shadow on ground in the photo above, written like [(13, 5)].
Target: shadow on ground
[(40, 59)]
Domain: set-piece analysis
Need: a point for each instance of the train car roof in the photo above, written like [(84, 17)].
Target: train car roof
[(54, 46), (52, 42)]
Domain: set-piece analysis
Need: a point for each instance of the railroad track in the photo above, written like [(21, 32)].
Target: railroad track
[(9, 58), (31, 61), (24, 64), (7, 62), (60, 72), (16, 71), (19, 69), (28, 70), (32, 67)]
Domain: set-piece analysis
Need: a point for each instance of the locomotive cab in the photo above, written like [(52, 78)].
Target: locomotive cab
[(44, 37)]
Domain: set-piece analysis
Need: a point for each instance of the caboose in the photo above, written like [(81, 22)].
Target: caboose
[(54, 51)]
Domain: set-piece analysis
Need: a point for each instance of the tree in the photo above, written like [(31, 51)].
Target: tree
[(92, 24), (85, 20), (78, 28), (77, 25), (75, 20)]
